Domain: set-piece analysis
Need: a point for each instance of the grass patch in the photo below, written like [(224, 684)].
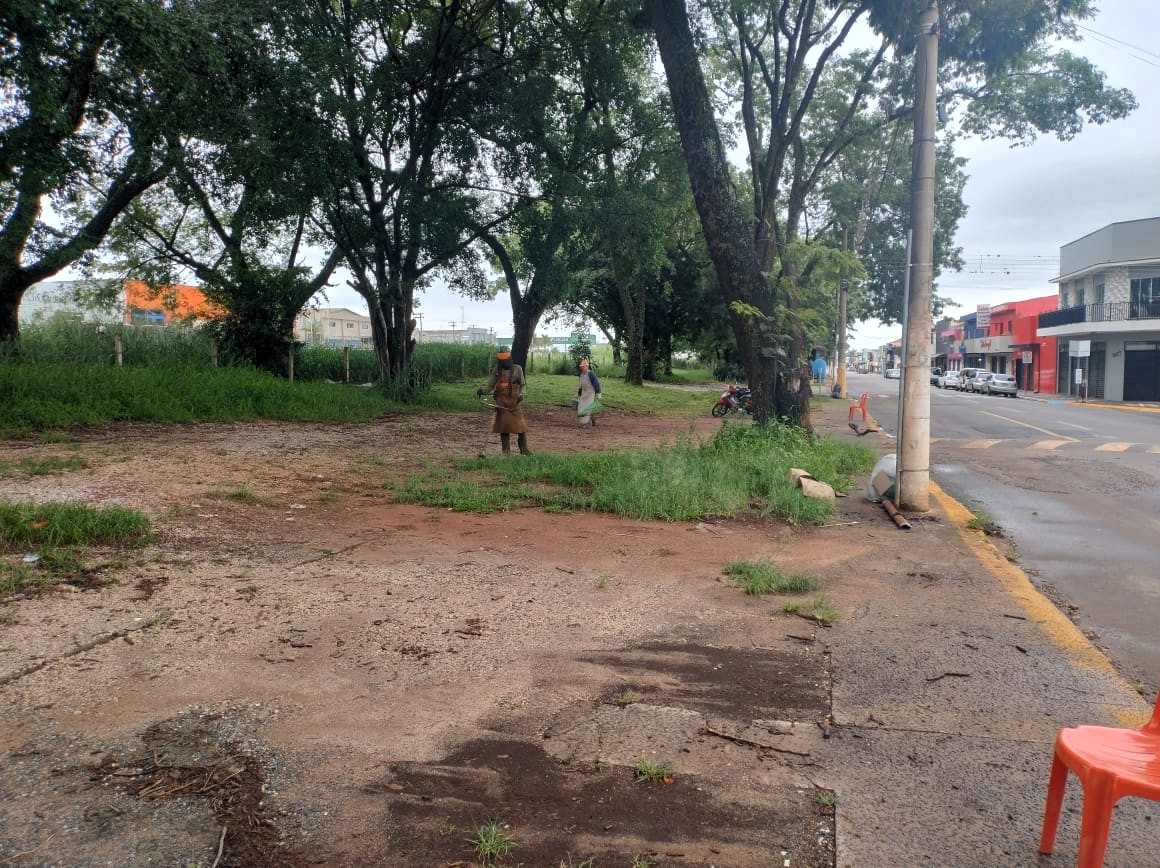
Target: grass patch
[(239, 493), (46, 466), (820, 610), (826, 798), (62, 524), (979, 521), (740, 470), (491, 842), (624, 700), (762, 577), (47, 544), (653, 772)]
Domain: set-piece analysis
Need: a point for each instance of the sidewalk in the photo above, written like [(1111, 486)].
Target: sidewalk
[(952, 677)]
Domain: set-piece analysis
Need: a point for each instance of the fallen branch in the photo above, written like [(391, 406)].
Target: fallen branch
[(949, 675), (742, 740), (221, 847), (327, 554)]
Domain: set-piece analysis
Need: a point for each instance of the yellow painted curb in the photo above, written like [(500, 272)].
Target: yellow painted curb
[(1060, 631)]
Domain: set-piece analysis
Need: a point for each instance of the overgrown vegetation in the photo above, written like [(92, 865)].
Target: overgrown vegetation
[(740, 470)]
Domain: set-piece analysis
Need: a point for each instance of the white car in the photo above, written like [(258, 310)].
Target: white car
[(893, 373), (949, 380)]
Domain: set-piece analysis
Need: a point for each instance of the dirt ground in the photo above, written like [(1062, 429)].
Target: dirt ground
[(305, 673)]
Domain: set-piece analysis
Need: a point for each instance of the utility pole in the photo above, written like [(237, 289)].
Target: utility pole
[(912, 481), (843, 296)]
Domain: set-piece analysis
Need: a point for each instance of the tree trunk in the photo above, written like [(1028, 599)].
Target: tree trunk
[(632, 306), (727, 233), (13, 285)]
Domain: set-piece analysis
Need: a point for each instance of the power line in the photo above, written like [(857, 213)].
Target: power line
[(1108, 41)]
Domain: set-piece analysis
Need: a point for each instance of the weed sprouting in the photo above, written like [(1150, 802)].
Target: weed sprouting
[(491, 842)]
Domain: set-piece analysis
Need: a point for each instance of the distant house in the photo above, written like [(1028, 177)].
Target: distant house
[(1108, 321), (333, 326), (105, 301)]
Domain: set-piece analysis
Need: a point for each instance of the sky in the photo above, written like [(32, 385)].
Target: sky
[(1023, 203)]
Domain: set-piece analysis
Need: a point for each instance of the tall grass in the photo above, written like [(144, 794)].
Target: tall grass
[(64, 524), (39, 397), (740, 470)]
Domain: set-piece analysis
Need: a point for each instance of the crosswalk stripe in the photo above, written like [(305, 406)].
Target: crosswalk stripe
[(981, 444), (1114, 447), (1050, 444), (1155, 450)]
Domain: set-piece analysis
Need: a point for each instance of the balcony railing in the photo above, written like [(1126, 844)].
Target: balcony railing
[(1112, 311)]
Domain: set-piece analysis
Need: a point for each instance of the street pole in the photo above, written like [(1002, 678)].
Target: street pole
[(843, 296), (912, 483)]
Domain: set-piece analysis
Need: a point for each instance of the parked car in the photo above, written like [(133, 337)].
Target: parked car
[(979, 381), (949, 380), (1002, 384), (935, 373), (893, 373), (966, 375)]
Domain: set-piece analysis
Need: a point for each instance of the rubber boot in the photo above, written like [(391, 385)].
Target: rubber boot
[(522, 441), (505, 443)]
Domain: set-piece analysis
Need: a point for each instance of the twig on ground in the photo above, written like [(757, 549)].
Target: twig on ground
[(742, 740), (949, 675), (221, 847)]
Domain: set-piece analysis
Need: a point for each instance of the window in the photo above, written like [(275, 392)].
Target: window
[(1063, 296), (333, 324), (365, 326), (1079, 296), (1099, 293), (350, 325), (1145, 300)]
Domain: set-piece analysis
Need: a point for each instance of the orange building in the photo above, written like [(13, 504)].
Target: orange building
[(176, 303)]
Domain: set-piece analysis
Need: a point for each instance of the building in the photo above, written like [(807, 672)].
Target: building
[(333, 326), (109, 301), (1108, 322), (1002, 339)]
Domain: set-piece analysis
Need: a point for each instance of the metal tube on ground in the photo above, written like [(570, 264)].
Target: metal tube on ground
[(899, 518)]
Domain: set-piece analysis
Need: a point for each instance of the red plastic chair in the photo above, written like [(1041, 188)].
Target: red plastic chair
[(860, 407), (1110, 764)]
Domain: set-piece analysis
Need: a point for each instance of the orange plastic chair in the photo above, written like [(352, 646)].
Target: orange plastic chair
[(860, 407), (1110, 763)]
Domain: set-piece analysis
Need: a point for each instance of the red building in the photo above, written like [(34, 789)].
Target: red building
[(1033, 357)]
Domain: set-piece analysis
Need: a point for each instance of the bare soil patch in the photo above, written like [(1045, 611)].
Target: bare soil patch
[(298, 671)]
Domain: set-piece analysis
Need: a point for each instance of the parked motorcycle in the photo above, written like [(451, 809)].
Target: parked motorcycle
[(735, 399)]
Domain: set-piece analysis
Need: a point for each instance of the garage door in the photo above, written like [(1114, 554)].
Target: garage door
[(1141, 371)]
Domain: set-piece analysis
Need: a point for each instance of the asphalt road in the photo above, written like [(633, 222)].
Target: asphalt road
[(1075, 487)]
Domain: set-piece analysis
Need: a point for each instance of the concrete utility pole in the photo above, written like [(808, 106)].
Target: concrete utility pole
[(843, 295), (912, 483)]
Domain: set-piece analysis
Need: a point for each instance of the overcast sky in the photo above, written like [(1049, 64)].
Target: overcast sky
[(1023, 203)]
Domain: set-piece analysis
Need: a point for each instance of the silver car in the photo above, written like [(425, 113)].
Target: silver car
[(979, 382), (1002, 384), (949, 380)]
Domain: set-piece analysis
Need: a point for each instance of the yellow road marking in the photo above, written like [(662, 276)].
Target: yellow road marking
[(981, 444), (1063, 633), (1050, 444), (1114, 447), (1027, 425)]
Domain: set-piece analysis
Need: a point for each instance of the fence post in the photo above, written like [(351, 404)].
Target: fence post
[(290, 364), (213, 353), (119, 350), (346, 363)]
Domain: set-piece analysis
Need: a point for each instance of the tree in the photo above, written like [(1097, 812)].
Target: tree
[(91, 92), (788, 55), (404, 89), (235, 211), (727, 232)]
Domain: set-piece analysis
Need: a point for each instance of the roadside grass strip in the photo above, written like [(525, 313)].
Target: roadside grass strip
[(741, 470)]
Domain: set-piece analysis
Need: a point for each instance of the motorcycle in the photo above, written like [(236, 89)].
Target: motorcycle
[(735, 399)]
